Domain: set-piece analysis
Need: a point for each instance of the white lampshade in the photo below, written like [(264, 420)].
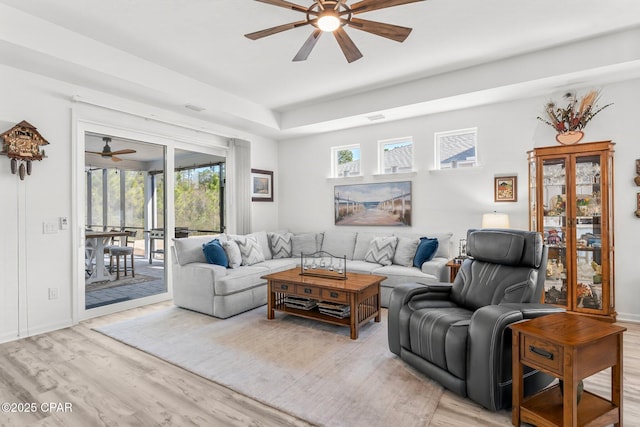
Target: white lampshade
[(495, 220)]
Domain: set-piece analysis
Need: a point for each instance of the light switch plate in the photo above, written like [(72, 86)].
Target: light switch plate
[(49, 227), (64, 223)]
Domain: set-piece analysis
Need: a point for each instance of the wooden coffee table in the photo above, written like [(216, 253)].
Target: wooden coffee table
[(360, 291)]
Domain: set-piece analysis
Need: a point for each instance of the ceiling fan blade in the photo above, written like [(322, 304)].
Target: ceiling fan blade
[(125, 151), (94, 152), (308, 46), (116, 159), (393, 32), (274, 30), (285, 4), (347, 45), (369, 5)]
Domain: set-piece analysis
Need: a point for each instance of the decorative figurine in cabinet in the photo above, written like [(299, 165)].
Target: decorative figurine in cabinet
[(571, 203)]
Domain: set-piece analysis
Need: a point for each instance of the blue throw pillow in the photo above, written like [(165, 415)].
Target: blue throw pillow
[(215, 254), (427, 248)]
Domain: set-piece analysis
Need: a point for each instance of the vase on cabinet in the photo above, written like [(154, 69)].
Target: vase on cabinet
[(570, 137)]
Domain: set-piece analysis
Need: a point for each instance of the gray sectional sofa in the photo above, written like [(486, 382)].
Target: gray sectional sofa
[(223, 292)]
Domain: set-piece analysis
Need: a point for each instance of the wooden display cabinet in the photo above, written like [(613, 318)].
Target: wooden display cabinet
[(571, 203)]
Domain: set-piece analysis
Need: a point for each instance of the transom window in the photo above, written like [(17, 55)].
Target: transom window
[(345, 160), (395, 155), (456, 149)]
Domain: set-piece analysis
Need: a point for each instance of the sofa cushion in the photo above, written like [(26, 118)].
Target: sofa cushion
[(214, 253), (363, 240), (444, 241), (405, 251), (426, 251), (381, 250), (233, 253), (280, 244), (189, 249), (359, 266), (339, 243), (240, 279), (250, 250), (303, 243)]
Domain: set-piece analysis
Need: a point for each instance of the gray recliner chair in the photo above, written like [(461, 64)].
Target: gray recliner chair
[(457, 334)]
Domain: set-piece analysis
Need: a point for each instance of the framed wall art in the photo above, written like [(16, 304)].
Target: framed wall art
[(505, 189), (261, 185), (384, 204)]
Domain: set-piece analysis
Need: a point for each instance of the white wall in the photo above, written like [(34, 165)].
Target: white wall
[(264, 156), (31, 262), (455, 200)]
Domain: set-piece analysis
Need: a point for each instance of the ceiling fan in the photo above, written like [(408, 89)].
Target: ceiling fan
[(332, 16), (106, 151)]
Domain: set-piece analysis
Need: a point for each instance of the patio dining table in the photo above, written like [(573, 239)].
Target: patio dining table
[(99, 239)]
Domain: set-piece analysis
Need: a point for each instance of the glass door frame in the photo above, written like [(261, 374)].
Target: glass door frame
[(78, 221)]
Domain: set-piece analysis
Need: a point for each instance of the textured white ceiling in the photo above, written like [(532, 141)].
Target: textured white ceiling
[(175, 52)]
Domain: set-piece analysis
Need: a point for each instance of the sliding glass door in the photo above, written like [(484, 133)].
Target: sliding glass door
[(124, 220)]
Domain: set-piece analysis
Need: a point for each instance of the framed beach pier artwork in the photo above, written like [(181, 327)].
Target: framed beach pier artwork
[(384, 204)]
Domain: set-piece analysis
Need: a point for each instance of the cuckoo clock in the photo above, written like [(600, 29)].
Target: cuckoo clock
[(22, 145)]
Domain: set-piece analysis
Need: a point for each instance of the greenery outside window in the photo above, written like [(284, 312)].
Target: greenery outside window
[(345, 160), (395, 155), (456, 149)]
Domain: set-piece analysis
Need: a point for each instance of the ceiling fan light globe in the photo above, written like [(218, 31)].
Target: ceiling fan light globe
[(328, 22)]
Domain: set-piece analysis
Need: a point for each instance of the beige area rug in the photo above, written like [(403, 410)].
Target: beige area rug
[(140, 278), (303, 367)]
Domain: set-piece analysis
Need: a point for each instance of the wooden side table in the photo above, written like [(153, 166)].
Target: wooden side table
[(454, 266), (570, 347)]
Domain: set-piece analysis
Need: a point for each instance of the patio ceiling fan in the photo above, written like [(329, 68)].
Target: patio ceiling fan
[(332, 16), (107, 153)]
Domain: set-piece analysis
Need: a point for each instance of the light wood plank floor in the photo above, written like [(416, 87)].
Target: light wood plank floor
[(107, 383)]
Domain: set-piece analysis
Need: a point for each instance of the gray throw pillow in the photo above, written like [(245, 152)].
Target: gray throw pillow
[(381, 250), (280, 244), (405, 251), (303, 244), (249, 250), (233, 253)]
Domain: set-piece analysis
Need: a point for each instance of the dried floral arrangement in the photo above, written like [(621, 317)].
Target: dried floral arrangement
[(577, 113)]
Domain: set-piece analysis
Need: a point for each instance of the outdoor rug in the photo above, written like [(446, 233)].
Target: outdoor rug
[(124, 280), (303, 367)]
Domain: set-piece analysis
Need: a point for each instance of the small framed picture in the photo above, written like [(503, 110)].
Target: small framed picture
[(505, 188), (261, 185)]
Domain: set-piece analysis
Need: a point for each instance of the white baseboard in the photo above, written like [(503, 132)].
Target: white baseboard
[(628, 317)]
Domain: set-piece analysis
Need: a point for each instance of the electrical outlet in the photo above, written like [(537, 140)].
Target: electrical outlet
[(53, 293)]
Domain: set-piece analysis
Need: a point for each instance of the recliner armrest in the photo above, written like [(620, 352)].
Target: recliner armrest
[(533, 310), (400, 296), (490, 346)]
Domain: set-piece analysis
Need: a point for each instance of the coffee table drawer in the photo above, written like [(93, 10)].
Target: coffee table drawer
[(331, 295), (284, 287), (307, 291)]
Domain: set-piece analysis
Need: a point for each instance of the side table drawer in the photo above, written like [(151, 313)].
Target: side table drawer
[(542, 353), (283, 287), (337, 296)]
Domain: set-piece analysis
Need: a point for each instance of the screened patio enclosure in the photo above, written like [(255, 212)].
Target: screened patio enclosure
[(125, 194)]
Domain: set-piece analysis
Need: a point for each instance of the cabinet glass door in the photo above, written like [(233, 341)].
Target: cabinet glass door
[(588, 233), (554, 197)]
